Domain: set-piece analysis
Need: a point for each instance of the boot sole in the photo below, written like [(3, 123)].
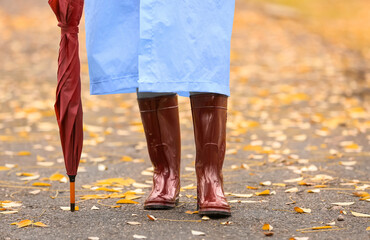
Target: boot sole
[(161, 206), (215, 214)]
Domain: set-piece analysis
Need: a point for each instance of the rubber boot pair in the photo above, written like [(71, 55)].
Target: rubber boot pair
[(162, 130)]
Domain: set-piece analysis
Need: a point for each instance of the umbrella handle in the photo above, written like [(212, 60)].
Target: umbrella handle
[(72, 191)]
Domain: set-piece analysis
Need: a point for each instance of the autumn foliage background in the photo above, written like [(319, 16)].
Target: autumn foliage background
[(297, 163)]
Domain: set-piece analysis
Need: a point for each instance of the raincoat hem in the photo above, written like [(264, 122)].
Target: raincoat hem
[(184, 88), (126, 84)]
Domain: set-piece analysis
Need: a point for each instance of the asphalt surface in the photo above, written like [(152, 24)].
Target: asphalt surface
[(299, 108)]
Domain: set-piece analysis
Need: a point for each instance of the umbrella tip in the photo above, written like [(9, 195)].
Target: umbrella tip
[(72, 178), (72, 207)]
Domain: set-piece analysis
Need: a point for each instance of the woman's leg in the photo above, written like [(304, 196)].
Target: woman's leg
[(160, 117), (209, 112)]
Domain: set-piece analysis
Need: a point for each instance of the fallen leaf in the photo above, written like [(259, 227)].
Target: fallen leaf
[(292, 190), (102, 167), (356, 214), (96, 196), (197, 233), (30, 178), (192, 212), (57, 177), (8, 212), (23, 223), (141, 185), (115, 182), (106, 189), (250, 187), (24, 153), (241, 195), (321, 227), (138, 236), (267, 227), (361, 194), (94, 208), (266, 183), (45, 164), (302, 210), (266, 192), (268, 233), (3, 168), (126, 159), (279, 184), (126, 201), (205, 218), (151, 217), (133, 223), (41, 184), (39, 224), (347, 163), (226, 223), (343, 203), (294, 180), (313, 190)]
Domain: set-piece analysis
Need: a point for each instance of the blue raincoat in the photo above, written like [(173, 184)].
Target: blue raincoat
[(159, 45)]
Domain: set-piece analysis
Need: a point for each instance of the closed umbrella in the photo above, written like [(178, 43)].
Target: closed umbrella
[(68, 106)]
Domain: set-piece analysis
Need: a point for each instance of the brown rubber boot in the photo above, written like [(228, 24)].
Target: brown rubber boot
[(160, 117), (209, 118)]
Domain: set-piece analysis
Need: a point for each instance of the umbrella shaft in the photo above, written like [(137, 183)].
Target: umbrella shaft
[(72, 195)]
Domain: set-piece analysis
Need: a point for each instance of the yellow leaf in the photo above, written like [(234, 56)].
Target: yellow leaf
[(126, 201), (192, 212), (106, 189), (321, 227), (126, 159), (98, 196), (250, 187), (117, 195), (132, 197), (39, 158), (266, 192), (267, 227), (41, 184), (151, 217), (24, 223), (56, 177), (368, 229), (115, 182), (23, 153), (361, 194), (320, 186), (25, 174), (302, 210), (2, 168), (40, 224), (303, 183), (367, 198)]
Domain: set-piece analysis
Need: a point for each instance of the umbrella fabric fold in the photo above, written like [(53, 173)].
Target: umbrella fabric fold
[(68, 105)]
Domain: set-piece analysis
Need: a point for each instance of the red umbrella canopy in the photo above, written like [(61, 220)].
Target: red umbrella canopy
[(68, 106)]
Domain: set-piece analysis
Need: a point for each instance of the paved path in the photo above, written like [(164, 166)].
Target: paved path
[(298, 118)]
